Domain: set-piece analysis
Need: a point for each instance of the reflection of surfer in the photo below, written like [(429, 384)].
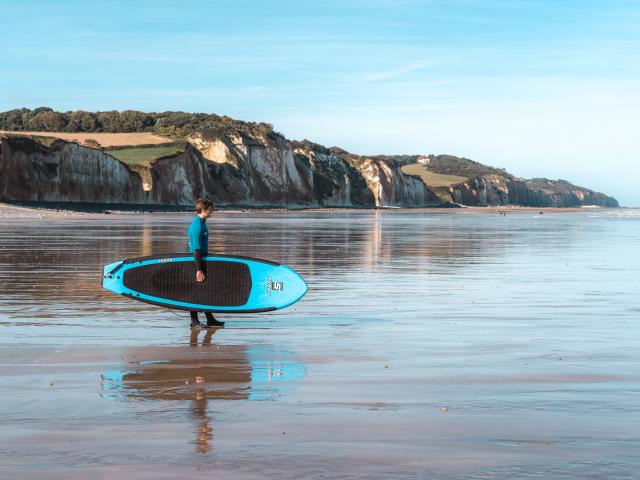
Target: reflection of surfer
[(205, 431), (204, 434), (206, 340), (199, 246)]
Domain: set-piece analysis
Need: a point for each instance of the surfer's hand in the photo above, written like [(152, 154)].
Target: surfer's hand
[(199, 276)]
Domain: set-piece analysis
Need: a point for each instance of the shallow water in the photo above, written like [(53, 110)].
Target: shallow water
[(431, 344)]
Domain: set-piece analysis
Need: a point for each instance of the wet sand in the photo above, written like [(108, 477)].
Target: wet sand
[(430, 345), (53, 210)]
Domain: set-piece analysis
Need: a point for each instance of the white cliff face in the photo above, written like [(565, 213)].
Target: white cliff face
[(500, 190), (65, 172), (268, 164), (240, 170), (273, 167), (371, 173), (145, 174), (213, 150), (340, 193), (268, 167), (391, 187), (292, 175), (88, 173), (181, 179)]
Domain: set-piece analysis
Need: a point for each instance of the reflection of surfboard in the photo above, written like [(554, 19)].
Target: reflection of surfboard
[(233, 284), (234, 372)]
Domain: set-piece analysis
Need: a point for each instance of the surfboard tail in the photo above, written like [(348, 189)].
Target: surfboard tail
[(110, 278)]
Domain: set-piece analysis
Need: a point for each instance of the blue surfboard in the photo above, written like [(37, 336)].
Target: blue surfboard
[(232, 284)]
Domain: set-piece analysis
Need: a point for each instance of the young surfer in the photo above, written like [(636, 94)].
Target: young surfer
[(199, 246)]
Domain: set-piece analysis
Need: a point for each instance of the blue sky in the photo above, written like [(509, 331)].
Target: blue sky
[(542, 88)]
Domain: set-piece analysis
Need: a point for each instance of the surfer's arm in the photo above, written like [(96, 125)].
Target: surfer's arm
[(195, 231), (198, 258), (199, 267)]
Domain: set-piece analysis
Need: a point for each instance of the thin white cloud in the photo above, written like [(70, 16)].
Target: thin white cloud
[(397, 72)]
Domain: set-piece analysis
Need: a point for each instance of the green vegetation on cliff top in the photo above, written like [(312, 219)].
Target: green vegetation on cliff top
[(438, 182), (172, 124), (145, 155), (552, 186), (431, 178), (463, 167)]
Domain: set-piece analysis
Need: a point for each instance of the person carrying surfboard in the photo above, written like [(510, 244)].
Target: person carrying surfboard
[(199, 246)]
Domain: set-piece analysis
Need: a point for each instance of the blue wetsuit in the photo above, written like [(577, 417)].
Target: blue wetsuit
[(199, 241), (199, 246)]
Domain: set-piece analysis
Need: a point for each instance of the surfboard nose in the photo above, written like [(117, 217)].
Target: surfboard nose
[(293, 285)]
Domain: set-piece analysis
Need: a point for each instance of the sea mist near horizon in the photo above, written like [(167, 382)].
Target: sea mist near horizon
[(431, 344)]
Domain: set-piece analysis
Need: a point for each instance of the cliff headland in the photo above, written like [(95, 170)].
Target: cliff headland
[(171, 158)]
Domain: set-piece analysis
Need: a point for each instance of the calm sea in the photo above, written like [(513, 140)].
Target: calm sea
[(431, 344)]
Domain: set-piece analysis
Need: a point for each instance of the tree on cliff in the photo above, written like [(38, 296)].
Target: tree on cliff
[(174, 124), (81, 121), (48, 121)]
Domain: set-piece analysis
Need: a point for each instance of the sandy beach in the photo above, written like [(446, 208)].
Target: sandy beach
[(432, 344), (49, 210), (202, 410)]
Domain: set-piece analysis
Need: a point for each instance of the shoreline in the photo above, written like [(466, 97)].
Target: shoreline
[(35, 209)]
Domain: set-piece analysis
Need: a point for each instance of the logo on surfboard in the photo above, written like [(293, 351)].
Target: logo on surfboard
[(274, 286)]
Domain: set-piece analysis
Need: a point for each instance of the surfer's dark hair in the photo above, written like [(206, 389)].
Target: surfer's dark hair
[(203, 204)]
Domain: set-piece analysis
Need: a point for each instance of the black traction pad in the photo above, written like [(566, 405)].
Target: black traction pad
[(228, 284)]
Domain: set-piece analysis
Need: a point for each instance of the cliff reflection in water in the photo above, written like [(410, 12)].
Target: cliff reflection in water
[(60, 268), (200, 373)]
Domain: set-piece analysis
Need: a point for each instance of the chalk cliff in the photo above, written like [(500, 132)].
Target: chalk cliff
[(232, 170), (64, 172), (465, 182), (238, 163), (493, 190), (342, 175)]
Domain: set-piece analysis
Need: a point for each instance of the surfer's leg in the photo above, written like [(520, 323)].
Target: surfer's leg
[(194, 319), (211, 321), (193, 339)]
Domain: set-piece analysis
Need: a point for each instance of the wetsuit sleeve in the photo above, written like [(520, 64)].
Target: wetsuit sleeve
[(198, 257)]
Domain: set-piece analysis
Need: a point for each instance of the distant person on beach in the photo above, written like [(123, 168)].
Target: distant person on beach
[(199, 246)]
